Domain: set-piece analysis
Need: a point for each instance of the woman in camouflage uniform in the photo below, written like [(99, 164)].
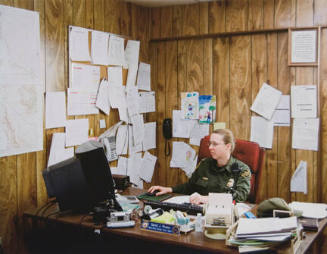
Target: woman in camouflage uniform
[(222, 173)]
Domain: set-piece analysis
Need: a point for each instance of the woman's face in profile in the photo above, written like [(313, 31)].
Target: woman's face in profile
[(218, 149)]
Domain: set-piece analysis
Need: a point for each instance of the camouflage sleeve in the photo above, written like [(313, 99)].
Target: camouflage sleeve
[(187, 188), (243, 185)]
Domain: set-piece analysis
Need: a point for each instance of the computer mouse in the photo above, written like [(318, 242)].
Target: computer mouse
[(154, 193)]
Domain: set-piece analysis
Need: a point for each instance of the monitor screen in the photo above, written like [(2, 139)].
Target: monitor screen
[(80, 183), (66, 181), (96, 169)]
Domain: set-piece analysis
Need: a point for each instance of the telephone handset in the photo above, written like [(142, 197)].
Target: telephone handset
[(167, 128), (167, 132)]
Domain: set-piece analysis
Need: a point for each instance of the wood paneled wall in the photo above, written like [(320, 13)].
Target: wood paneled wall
[(233, 67), (21, 183)]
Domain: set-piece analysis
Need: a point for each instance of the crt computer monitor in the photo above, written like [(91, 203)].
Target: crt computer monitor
[(66, 181), (81, 182), (96, 170)]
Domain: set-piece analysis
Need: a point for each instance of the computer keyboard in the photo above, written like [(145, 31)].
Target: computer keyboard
[(185, 207)]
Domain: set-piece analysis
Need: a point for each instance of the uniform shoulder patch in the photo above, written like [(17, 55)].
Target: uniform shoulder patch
[(246, 173)]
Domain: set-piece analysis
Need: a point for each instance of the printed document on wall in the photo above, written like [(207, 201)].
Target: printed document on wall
[(282, 114), (132, 99), (131, 75), (99, 47), (117, 96), (304, 46), (190, 105), (305, 133), (123, 113), (299, 178), (19, 46), (132, 148), (115, 75), (138, 128), (102, 101), (55, 110), (198, 132), (147, 167), (304, 101), (133, 169), (81, 102), (182, 127), (132, 53), (266, 101), (122, 139), (58, 152), (77, 131), (116, 50), (149, 142), (147, 102), (262, 131), (79, 44), (144, 77), (85, 77), (121, 168)]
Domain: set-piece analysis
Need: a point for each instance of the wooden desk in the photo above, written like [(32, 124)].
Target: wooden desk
[(164, 243)]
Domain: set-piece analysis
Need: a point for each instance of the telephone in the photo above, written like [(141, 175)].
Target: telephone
[(167, 132), (167, 128)]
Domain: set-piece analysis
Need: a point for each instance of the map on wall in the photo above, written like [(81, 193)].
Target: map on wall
[(21, 89)]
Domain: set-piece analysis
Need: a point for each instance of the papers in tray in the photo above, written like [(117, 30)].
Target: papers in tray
[(266, 229), (252, 235)]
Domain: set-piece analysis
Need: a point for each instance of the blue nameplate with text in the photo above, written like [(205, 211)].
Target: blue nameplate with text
[(160, 227)]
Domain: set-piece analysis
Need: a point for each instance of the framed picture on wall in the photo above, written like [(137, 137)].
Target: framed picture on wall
[(303, 46)]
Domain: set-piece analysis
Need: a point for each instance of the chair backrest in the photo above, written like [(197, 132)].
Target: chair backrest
[(246, 151)]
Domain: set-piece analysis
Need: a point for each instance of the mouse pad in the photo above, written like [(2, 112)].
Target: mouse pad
[(144, 196)]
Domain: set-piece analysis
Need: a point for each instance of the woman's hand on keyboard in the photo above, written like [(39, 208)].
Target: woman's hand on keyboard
[(198, 199), (162, 190)]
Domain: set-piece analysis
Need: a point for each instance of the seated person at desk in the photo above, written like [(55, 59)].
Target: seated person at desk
[(222, 173)]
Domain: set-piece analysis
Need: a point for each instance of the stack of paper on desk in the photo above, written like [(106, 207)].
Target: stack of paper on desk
[(266, 229), (310, 210)]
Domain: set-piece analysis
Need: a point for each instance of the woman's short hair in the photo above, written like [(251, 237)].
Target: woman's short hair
[(228, 137)]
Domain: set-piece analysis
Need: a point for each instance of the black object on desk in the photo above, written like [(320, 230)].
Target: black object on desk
[(153, 197), (185, 207), (310, 224)]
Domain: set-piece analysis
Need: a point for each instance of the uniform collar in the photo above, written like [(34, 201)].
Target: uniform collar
[(227, 167)]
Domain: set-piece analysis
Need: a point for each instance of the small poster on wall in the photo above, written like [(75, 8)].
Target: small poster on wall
[(190, 105), (207, 109)]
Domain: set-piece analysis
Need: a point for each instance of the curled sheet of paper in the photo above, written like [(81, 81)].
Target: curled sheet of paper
[(299, 178), (108, 138)]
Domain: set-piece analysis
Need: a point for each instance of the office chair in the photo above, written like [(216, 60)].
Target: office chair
[(246, 151)]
